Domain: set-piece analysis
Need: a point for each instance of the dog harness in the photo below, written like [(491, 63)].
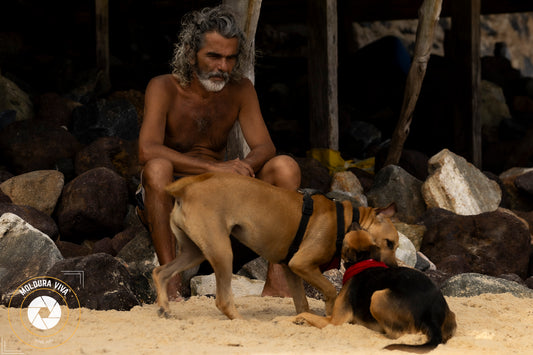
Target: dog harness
[(307, 211), (361, 266)]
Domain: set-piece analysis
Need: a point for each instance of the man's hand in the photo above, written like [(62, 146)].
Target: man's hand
[(235, 166)]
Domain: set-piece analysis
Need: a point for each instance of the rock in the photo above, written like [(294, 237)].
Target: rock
[(39, 220), (412, 231), (113, 153), (7, 117), (334, 276), (54, 109), (492, 109), (140, 259), (314, 175), (205, 285), (346, 182), (13, 98), (394, 184), (101, 282), (365, 178), (406, 251), (36, 145), (255, 269), (472, 284), (26, 253), (105, 118), (104, 245), (423, 263), (93, 206), (524, 182), (5, 175), (412, 161), (72, 250), (491, 243), (517, 199), (458, 186), (39, 189)]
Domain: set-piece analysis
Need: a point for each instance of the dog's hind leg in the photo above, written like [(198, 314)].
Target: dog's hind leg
[(219, 254), (190, 255)]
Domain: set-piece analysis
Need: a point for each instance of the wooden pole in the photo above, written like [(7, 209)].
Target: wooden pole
[(428, 16), (466, 33), (247, 12), (102, 42), (323, 80)]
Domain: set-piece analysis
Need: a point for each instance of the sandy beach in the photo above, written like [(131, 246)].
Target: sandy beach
[(487, 324)]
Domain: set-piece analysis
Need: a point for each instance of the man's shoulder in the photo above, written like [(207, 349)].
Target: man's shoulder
[(164, 79), (242, 86)]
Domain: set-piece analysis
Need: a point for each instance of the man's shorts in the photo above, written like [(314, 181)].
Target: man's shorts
[(139, 193)]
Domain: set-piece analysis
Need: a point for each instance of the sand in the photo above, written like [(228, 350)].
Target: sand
[(487, 324)]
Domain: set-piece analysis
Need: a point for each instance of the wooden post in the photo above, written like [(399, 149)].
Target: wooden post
[(465, 35), (102, 42), (323, 62), (428, 14), (247, 12)]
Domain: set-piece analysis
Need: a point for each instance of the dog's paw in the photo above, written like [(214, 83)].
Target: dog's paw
[(299, 320), (161, 312)]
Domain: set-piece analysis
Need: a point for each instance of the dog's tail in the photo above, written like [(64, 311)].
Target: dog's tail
[(436, 335), (179, 184)]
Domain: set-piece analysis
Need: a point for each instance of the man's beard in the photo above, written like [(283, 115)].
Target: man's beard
[(210, 85)]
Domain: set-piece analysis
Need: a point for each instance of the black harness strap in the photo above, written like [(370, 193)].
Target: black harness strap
[(307, 211), (340, 227)]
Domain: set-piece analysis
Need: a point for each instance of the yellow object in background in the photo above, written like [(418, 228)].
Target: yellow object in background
[(332, 160)]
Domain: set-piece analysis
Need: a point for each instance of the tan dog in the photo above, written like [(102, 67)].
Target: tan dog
[(386, 298), (210, 207)]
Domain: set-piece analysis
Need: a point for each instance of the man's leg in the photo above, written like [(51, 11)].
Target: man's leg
[(157, 174), (281, 171)]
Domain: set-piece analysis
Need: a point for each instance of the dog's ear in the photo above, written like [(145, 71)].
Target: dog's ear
[(387, 211)]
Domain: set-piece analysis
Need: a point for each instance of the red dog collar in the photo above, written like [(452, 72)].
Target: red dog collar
[(360, 266)]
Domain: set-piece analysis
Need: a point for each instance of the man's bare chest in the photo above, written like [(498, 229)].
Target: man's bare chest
[(206, 124)]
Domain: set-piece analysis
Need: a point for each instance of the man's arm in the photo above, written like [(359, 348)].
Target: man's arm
[(254, 128)]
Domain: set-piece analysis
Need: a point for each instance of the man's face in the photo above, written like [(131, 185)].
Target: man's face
[(215, 61)]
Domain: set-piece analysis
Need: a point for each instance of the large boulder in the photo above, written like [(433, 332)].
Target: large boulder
[(458, 186), (491, 243), (93, 206), (101, 282), (36, 145), (39, 189), (25, 253)]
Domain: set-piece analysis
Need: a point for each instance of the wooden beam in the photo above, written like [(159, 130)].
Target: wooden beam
[(322, 68), (247, 12), (465, 34), (428, 18), (102, 42)]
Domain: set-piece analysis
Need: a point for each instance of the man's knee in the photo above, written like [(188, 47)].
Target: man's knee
[(282, 171), (157, 173)]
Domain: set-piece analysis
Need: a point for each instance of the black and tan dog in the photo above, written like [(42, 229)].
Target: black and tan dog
[(211, 207), (384, 297)]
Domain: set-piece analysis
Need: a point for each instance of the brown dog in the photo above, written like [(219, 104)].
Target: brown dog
[(210, 207), (386, 298)]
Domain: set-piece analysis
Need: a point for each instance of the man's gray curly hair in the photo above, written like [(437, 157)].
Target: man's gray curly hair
[(194, 25)]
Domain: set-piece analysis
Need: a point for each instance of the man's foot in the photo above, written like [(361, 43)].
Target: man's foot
[(276, 283), (173, 288)]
